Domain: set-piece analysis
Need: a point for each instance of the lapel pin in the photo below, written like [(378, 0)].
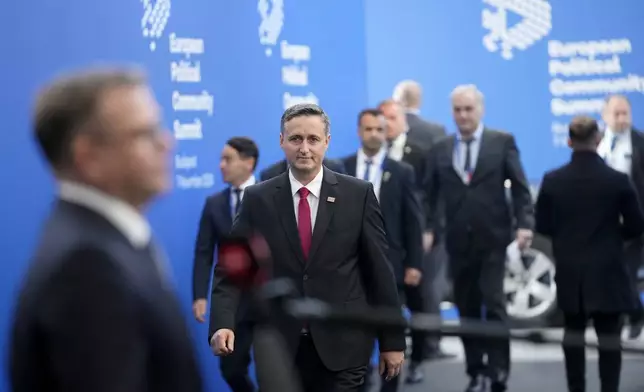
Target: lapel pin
[(330, 199), (407, 149), (386, 176)]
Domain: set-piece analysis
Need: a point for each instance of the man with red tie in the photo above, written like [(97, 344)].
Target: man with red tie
[(326, 234)]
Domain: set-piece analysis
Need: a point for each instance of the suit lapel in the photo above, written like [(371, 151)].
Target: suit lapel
[(481, 161), (385, 181), (326, 209), (225, 208), (284, 202)]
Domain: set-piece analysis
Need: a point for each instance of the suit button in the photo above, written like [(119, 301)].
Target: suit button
[(305, 278)]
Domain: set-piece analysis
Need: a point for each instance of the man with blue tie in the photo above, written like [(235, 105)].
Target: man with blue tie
[(622, 148), (393, 184), (238, 162)]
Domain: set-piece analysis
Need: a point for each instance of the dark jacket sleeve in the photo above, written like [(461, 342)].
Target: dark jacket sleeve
[(335, 165), (544, 216), (379, 276), (632, 219), (412, 219), (521, 195), (92, 318), (207, 239)]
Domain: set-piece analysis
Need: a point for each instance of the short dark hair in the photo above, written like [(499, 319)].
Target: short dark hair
[(369, 111), (246, 148), (583, 129), (305, 109), (63, 107)]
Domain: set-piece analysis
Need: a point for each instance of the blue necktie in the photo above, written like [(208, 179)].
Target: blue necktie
[(237, 204), (613, 142), (367, 170)]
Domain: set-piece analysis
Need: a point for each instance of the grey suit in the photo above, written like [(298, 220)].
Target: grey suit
[(423, 132)]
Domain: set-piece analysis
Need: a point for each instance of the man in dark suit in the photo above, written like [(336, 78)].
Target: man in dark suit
[(622, 147), (97, 311), (422, 132), (589, 210), (280, 167), (468, 172), (326, 234), (394, 187), (401, 148), (238, 162)]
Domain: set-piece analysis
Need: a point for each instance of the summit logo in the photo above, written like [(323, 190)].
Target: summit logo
[(155, 19), (535, 24), (271, 13)]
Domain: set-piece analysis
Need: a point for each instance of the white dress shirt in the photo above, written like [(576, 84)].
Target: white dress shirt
[(314, 188), (460, 153), (620, 156), (375, 171), (397, 149), (233, 195)]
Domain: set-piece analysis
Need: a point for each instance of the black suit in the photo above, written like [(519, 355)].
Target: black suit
[(280, 167), (95, 315), (422, 132), (214, 226), (403, 217), (479, 226), (589, 209), (347, 266)]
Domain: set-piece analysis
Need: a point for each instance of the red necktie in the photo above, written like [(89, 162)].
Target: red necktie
[(304, 221)]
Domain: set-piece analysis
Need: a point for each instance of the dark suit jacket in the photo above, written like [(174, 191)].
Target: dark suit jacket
[(415, 156), (637, 164), (280, 167), (478, 214), (347, 266), (402, 213), (589, 209), (94, 315), (422, 132), (216, 222)]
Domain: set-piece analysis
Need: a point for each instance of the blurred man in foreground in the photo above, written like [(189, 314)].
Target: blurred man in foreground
[(589, 210), (238, 162), (98, 311), (326, 235)]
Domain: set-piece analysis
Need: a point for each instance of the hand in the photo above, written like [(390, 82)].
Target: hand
[(199, 309), (413, 276), (223, 342), (391, 363), (428, 241), (524, 238)]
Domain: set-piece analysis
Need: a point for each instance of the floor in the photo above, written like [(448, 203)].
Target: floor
[(534, 369)]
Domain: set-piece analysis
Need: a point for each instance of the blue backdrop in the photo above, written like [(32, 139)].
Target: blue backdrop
[(224, 68)]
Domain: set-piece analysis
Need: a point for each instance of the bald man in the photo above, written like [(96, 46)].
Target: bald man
[(422, 132)]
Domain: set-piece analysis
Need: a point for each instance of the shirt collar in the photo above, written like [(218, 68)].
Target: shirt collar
[(413, 111), (314, 186), (376, 159), (250, 181), (612, 134), (400, 140), (121, 215)]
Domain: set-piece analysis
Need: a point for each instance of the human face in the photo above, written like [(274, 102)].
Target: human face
[(304, 141), (372, 133), (617, 115), (235, 169), (395, 120), (129, 152), (468, 111)]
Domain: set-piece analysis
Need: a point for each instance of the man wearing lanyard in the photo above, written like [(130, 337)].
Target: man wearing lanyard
[(622, 148), (393, 184), (468, 172), (238, 162)]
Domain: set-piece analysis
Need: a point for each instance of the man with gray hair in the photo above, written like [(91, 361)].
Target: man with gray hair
[(97, 312), (468, 171), (409, 94), (325, 232)]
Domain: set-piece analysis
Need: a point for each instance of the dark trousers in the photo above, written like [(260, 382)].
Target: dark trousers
[(316, 377), (633, 257), (234, 368), (478, 283), (608, 328), (435, 288)]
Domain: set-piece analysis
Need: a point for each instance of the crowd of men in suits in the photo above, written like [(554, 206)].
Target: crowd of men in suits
[(97, 311)]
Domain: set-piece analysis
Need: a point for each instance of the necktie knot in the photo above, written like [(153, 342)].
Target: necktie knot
[(304, 192), (468, 142), (368, 161)]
